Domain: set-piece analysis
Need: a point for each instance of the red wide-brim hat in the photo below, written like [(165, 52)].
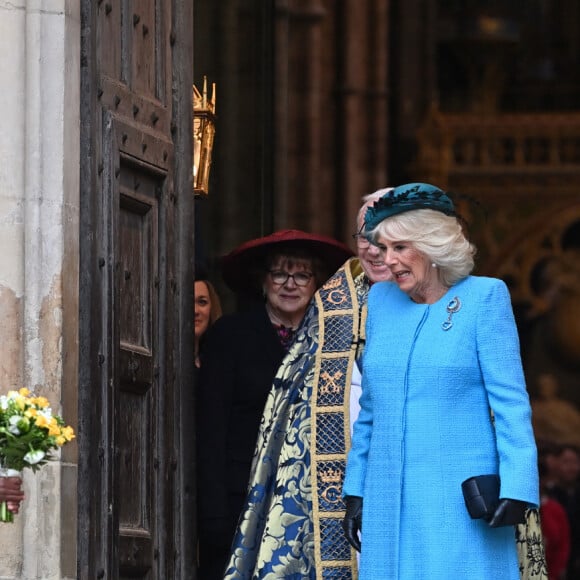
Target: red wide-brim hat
[(238, 265)]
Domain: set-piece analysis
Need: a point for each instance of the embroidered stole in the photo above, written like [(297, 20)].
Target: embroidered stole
[(341, 336)]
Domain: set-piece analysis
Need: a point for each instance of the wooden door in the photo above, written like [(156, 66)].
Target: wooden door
[(135, 464)]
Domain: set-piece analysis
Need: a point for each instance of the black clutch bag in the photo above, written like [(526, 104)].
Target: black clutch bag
[(481, 495)]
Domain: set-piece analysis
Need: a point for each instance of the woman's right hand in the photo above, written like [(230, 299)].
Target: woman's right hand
[(352, 522), (11, 492)]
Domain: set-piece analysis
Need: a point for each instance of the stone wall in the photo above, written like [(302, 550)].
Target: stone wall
[(39, 99)]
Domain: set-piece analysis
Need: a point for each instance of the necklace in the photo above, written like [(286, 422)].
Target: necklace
[(285, 334)]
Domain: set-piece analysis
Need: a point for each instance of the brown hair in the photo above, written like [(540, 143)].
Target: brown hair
[(292, 255), (216, 307)]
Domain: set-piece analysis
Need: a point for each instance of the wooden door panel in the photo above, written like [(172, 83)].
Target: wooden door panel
[(137, 417), (136, 69), (147, 48), (139, 109), (136, 524), (109, 35), (138, 265)]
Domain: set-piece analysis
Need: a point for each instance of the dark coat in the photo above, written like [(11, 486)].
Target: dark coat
[(240, 357)]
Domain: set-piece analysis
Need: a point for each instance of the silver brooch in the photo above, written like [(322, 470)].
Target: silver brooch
[(453, 307)]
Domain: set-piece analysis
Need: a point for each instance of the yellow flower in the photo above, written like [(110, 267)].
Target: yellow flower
[(23, 412), (40, 402), (53, 427), (41, 420), (68, 433)]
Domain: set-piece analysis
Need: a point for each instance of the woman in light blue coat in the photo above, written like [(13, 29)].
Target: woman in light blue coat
[(443, 399)]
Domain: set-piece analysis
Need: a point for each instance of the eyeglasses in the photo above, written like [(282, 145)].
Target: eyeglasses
[(361, 240), (300, 278)]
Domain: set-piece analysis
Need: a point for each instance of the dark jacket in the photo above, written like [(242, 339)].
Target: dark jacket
[(240, 357)]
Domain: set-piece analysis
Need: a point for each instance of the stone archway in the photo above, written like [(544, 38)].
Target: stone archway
[(543, 272)]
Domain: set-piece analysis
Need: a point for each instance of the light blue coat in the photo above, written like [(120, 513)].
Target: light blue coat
[(425, 426)]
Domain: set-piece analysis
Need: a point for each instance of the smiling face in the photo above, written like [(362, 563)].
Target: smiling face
[(411, 270), (288, 301), (202, 308), (371, 259)]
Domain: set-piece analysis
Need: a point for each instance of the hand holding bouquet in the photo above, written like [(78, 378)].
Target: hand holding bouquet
[(29, 435), (11, 495)]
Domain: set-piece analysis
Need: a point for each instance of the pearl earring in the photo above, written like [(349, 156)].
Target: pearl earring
[(433, 265)]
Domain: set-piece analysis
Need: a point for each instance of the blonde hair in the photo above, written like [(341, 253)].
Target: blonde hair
[(437, 236)]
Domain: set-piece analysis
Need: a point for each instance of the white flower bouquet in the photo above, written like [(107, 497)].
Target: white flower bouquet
[(29, 435)]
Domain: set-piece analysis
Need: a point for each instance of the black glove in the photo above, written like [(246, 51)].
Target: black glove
[(509, 512), (352, 522)]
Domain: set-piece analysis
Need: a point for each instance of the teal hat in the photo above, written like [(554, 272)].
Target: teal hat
[(407, 198)]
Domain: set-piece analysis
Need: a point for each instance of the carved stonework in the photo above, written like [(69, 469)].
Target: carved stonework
[(523, 172)]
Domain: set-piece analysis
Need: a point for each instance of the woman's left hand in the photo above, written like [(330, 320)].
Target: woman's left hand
[(509, 512)]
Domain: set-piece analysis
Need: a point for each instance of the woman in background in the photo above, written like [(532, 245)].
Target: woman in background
[(239, 361), (207, 309), (280, 534)]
